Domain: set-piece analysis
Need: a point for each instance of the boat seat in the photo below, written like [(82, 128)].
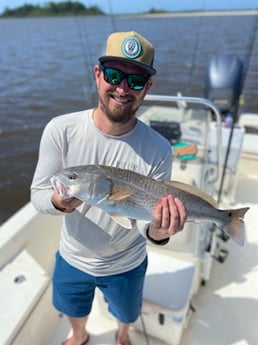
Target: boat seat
[(22, 283), (168, 281), (166, 297)]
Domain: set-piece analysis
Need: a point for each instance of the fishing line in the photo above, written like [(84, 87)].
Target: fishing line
[(196, 50), (87, 52), (112, 16), (87, 58)]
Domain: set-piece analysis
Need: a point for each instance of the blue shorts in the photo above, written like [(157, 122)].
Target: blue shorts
[(73, 291)]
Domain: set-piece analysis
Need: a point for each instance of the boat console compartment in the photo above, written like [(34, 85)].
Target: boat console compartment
[(167, 296)]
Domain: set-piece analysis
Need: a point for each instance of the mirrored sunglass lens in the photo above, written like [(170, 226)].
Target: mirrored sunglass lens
[(113, 76), (136, 82)]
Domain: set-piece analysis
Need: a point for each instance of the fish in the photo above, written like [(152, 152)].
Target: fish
[(127, 195)]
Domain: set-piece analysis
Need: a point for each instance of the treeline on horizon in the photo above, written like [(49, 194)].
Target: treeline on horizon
[(65, 8)]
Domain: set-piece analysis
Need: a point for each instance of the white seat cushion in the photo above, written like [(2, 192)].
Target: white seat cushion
[(168, 281)]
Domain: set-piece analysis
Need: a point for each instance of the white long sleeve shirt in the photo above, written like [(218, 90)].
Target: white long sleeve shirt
[(90, 239)]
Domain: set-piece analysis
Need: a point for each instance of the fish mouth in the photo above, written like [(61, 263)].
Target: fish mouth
[(60, 188)]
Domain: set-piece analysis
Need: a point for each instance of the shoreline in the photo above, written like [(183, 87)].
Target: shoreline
[(200, 13), (204, 13)]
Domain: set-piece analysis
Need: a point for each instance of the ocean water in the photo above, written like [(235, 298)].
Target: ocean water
[(46, 70)]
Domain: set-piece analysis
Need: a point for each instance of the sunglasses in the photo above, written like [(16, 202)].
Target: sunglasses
[(114, 76)]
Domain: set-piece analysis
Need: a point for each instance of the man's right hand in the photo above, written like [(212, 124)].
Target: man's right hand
[(65, 205)]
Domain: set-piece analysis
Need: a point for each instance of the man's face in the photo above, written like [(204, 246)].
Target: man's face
[(119, 102)]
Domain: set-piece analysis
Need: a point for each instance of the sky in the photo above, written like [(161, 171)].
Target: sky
[(136, 6)]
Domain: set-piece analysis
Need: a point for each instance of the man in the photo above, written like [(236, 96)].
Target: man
[(94, 250)]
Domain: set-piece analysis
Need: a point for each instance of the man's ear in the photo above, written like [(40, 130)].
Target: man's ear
[(97, 72), (149, 85)]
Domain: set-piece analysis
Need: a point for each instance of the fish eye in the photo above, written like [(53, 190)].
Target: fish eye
[(72, 176)]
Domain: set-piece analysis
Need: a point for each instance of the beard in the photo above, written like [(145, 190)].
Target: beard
[(116, 113)]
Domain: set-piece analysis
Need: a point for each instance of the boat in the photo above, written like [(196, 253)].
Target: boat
[(201, 288)]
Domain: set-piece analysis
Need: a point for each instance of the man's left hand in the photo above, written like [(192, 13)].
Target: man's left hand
[(169, 218)]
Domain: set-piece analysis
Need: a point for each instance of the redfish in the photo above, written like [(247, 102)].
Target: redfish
[(127, 195)]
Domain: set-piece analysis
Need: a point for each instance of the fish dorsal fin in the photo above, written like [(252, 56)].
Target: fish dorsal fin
[(193, 190), (119, 194), (123, 221)]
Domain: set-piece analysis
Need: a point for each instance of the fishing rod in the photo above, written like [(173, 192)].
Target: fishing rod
[(87, 56), (87, 52), (246, 66), (112, 16), (250, 46)]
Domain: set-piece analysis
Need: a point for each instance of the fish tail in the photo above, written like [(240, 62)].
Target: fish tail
[(236, 228)]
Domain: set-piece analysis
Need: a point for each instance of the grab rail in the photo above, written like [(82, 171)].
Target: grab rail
[(196, 100)]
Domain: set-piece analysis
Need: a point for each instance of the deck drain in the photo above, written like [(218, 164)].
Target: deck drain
[(20, 279)]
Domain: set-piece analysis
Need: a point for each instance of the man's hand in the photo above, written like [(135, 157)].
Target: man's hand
[(168, 218), (65, 205)]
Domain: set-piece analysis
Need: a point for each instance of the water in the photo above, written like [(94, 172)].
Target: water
[(46, 70)]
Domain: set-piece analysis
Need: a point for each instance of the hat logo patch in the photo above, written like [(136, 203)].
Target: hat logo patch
[(131, 47)]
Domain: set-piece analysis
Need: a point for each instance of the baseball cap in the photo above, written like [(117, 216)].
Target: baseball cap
[(130, 47)]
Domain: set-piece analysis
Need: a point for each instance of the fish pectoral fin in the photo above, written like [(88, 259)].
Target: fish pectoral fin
[(123, 221), (119, 194)]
